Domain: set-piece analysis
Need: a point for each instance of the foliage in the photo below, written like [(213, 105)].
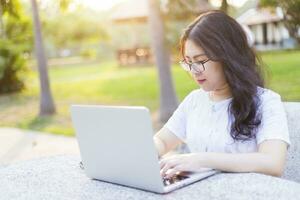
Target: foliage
[(15, 42), (74, 29)]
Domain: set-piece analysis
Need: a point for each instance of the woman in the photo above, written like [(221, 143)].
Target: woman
[(232, 123)]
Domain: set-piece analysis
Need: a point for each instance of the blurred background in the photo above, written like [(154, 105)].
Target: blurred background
[(55, 53)]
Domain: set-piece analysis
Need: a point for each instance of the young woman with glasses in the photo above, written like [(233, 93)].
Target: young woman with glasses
[(232, 123)]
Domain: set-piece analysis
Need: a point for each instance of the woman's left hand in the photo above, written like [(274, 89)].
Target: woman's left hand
[(174, 164)]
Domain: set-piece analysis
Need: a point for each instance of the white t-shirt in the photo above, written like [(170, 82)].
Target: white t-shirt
[(204, 125)]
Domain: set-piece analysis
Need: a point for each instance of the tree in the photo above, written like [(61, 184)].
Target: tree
[(291, 10), (79, 27), (168, 99), (15, 41), (46, 101), (177, 10)]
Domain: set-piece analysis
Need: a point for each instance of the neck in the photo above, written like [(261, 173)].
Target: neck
[(221, 93)]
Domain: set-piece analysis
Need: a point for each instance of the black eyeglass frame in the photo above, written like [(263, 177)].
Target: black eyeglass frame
[(193, 66)]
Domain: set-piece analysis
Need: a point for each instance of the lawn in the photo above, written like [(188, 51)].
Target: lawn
[(106, 83)]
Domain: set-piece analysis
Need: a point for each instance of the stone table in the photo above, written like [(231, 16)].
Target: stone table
[(59, 177)]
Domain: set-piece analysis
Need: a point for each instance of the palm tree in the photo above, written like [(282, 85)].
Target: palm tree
[(168, 99), (47, 106)]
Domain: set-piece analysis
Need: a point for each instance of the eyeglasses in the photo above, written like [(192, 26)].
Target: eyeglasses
[(196, 67)]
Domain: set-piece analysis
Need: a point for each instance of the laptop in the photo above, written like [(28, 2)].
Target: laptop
[(116, 145)]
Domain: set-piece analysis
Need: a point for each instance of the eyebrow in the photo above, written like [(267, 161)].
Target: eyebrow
[(196, 56)]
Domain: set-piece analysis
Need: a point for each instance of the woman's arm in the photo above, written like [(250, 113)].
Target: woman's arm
[(269, 159), (165, 141)]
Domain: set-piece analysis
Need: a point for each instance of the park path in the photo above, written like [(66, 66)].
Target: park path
[(18, 145)]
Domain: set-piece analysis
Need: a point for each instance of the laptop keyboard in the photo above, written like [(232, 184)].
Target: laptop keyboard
[(174, 179)]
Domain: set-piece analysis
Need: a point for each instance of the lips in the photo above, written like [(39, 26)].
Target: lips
[(200, 81)]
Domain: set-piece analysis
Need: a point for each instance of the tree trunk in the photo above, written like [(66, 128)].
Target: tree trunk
[(168, 99), (46, 101)]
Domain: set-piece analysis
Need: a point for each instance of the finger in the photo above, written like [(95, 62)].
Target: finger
[(171, 172), (176, 170), (180, 170), (163, 161), (166, 161), (166, 167), (170, 165)]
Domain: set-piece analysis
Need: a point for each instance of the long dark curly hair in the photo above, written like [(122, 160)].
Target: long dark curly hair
[(223, 40)]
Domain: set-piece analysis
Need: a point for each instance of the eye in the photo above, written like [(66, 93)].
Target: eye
[(188, 62), (202, 61)]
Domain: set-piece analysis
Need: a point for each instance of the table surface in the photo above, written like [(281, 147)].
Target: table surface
[(59, 177)]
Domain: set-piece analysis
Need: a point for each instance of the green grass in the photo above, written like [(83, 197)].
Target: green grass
[(106, 83), (284, 69)]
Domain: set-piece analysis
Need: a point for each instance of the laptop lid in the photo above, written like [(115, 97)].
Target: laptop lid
[(116, 145)]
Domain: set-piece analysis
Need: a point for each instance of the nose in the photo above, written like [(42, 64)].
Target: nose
[(197, 74)]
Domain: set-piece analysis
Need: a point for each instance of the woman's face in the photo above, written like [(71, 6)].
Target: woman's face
[(212, 78)]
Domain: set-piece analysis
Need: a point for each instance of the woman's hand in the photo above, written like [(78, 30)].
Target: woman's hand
[(175, 164)]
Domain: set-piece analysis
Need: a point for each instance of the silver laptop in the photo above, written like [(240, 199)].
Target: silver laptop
[(116, 146)]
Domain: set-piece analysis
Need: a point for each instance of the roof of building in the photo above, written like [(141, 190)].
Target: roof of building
[(255, 16)]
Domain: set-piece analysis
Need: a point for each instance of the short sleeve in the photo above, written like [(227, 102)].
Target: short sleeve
[(177, 122), (274, 120)]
